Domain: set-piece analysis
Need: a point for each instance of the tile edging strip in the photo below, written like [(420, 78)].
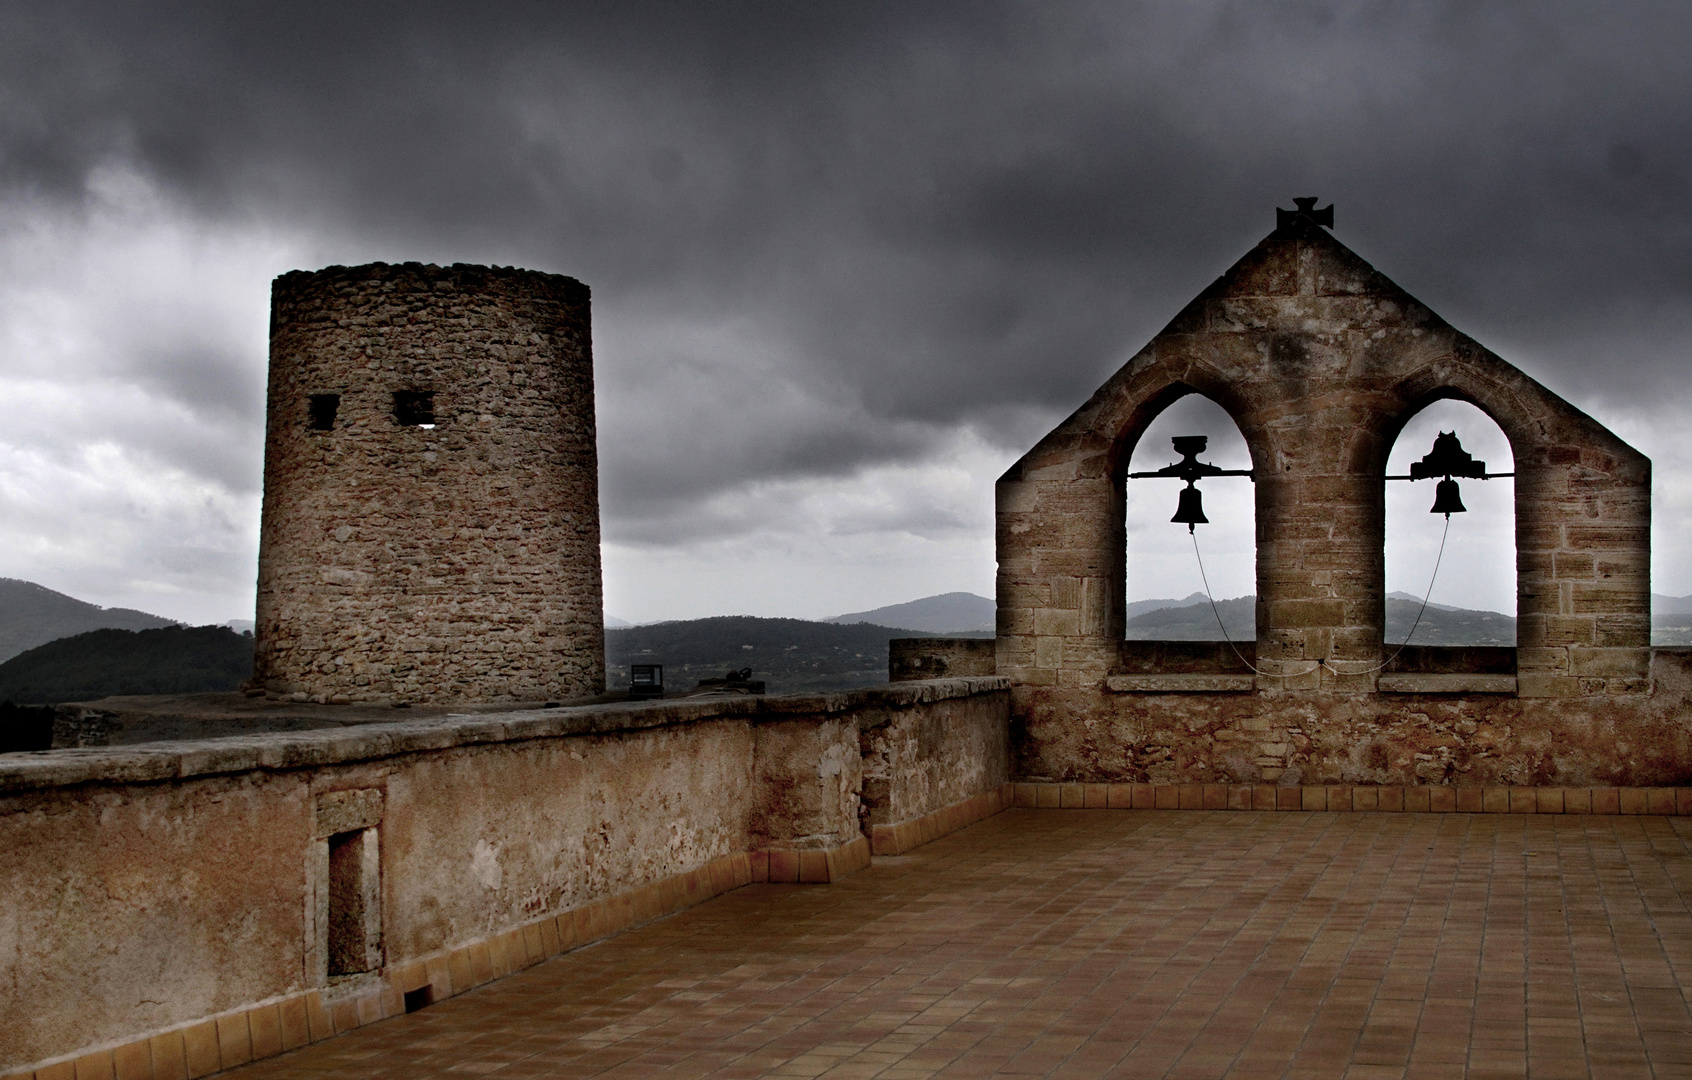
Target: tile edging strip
[(1409, 798), (896, 838)]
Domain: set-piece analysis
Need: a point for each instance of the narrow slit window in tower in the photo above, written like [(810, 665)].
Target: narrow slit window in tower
[(414, 408), (322, 409)]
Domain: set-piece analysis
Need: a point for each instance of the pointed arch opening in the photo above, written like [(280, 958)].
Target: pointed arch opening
[(1167, 581), (1472, 601)]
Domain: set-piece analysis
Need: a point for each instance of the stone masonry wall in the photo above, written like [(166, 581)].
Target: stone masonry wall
[(1301, 738), (456, 560), (1320, 361)]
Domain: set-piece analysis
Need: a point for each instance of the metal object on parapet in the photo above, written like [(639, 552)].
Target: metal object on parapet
[(646, 680)]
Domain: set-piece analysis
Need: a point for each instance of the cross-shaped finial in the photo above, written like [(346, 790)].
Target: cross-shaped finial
[(1306, 208)]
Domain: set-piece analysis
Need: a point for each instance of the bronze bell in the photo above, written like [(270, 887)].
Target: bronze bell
[(1447, 499), (1190, 510)]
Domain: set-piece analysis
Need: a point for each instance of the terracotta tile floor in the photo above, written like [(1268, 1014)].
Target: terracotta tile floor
[(1079, 943)]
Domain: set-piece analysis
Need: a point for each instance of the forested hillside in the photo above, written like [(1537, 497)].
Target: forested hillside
[(790, 655), (101, 663), (1440, 624)]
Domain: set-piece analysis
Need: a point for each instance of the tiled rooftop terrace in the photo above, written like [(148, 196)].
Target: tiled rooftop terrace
[(1083, 943)]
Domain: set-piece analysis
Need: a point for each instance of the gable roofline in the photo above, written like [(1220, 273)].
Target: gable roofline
[(1302, 259)]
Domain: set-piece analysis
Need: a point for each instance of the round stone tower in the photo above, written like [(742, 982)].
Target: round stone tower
[(431, 488)]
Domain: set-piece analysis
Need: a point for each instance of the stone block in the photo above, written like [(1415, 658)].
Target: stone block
[(1573, 566), (1608, 597), (318, 1021), (1543, 660), (1536, 685), (134, 1061), (1607, 538), (1298, 614), (1057, 622), (97, 1065), (264, 1023), (1634, 663), (200, 1049), (170, 1055)]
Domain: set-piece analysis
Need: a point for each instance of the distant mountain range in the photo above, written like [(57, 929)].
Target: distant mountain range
[(1193, 620), (32, 615), (789, 654), (945, 613)]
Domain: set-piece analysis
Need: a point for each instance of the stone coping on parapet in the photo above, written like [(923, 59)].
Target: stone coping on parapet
[(141, 763)]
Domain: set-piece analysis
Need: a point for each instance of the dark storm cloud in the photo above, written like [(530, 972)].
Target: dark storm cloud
[(921, 215)]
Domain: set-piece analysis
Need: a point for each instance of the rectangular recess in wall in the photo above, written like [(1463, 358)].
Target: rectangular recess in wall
[(354, 934), (321, 409), (414, 408)]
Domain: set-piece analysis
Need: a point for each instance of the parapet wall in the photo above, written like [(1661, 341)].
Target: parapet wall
[(287, 886), (431, 499), (1444, 729), (939, 658)]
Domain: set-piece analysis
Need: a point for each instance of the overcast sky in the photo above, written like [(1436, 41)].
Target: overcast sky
[(848, 261)]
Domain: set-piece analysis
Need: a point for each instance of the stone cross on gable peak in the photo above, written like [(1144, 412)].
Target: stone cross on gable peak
[(1306, 209)]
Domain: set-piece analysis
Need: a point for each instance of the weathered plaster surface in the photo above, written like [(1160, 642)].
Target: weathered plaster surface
[(150, 885), (917, 761), (128, 907)]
